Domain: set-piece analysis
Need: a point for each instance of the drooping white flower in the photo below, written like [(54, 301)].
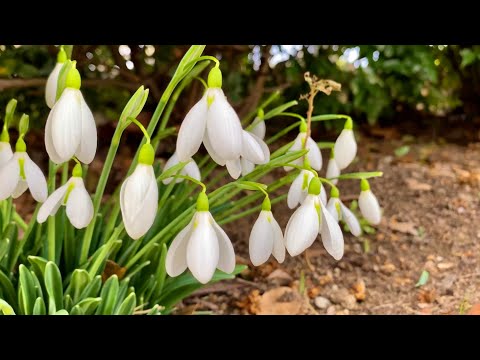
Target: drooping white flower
[(70, 129), (368, 204), (266, 238), (202, 246), (191, 169), (314, 156), (21, 173), (214, 122), (331, 233), (345, 147), (332, 169), (139, 195), (299, 189), (251, 155), (75, 197), (339, 212), (6, 152), (52, 81)]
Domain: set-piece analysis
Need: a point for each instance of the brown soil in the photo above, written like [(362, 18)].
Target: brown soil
[(430, 198)]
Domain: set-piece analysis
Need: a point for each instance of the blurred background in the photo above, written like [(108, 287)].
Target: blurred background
[(381, 84)]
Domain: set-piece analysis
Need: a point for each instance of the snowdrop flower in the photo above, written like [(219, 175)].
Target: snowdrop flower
[(52, 81), (214, 122), (266, 237), (254, 152), (332, 169), (5, 148), (21, 173), (76, 199), (309, 220), (202, 246), (304, 225), (340, 212), (368, 204), (70, 129), (191, 169), (299, 189), (259, 129), (139, 195), (345, 147), (314, 156)]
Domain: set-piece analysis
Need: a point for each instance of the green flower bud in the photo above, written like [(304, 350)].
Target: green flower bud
[(147, 155), (23, 124), (62, 55), (202, 202), (73, 79), (334, 192), (215, 78), (20, 146), (364, 185), (303, 127), (348, 124), (77, 171), (266, 205), (4, 137), (314, 187)]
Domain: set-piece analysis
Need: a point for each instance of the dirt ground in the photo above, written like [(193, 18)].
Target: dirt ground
[(430, 199)]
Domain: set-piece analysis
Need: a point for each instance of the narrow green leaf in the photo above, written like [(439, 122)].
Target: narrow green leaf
[(78, 282), (359, 175), (77, 310), (279, 109), (88, 305), (8, 289), (61, 312), (109, 296), (53, 283), (423, 278), (67, 302), (38, 265), (171, 171), (93, 288), (27, 287), (161, 272), (6, 308), (127, 306), (39, 307)]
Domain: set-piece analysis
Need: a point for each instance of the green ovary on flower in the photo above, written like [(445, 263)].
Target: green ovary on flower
[(147, 155), (202, 202), (314, 187), (73, 79), (215, 78)]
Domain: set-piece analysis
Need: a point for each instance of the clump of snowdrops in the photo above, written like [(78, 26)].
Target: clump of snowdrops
[(159, 237)]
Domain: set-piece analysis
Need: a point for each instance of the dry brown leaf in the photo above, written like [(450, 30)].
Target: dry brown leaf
[(359, 290), (281, 301), (426, 296), (112, 268), (416, 185), (403, 227)]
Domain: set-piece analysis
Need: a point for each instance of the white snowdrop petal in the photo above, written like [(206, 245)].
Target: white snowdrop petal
[(208, 146), (202, 249), (191, 131), (10, 176), (303, 228), (139, 201), (192, 170), (323, 195), (234, 168), (259, 129), (314, 155), (295, 190), (176, 261), (79, 207), (351, 220), (226, 259), (345, 148), (278, 242), (52, 153), (265, 149), (51, 88), (36, 180), (332, 236), (172, 161), (143, 220), (369, 207), (223, 127), (88, 143), (260, 243), (332, 208), (247, 166), (297, 145), (251, 149), (21, 187), (5, 153), (66, 127), (52, 204), (332, 171)]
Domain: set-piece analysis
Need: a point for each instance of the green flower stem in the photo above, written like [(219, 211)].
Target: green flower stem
[(18, 219), (283, 132), (51, 219), (18, 250), (326, 144), (359, 175), (326, 117), (64, 173), (251, 210)]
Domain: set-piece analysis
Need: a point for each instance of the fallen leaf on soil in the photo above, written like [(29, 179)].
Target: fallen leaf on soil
[(403, 227), (445, 266), (359, 290), (416, 185), (475, 310), (281, 301), (112, 268), (426, 296)]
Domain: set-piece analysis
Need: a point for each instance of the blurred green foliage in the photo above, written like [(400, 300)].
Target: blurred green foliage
[(378, 81)]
